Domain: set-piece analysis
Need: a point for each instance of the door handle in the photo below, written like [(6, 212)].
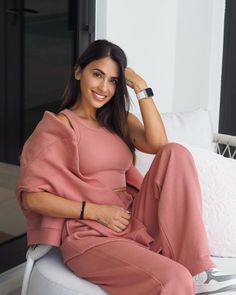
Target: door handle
[(18, 11), (85, 27)]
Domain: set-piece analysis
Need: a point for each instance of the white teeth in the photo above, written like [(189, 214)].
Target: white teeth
[(99, 96)]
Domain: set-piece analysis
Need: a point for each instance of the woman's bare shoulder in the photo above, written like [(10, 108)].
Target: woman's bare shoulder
[(63, 118)]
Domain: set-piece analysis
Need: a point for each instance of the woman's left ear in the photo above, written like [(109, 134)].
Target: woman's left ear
[(78, 73)]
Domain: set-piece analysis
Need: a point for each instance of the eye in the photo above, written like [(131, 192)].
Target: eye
[(114, 81), (97, 74)]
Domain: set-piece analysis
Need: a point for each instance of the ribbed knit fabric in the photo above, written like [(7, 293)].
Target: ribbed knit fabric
[(169, 205), (86, 163)]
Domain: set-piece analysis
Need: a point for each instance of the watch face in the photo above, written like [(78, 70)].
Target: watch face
[(149, 92), (145, 93)]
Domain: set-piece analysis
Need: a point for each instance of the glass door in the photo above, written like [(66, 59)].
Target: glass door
[(39, 43), (48, 58)]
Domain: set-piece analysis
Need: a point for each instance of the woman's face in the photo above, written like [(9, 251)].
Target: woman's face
[(98, 81)]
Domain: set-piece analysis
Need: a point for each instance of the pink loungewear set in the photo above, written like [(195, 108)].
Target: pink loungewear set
[(87, 163)]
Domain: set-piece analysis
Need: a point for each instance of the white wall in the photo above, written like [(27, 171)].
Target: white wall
[(198, 60), (216, 58), (175, 44), (193, 49), (148, 38)]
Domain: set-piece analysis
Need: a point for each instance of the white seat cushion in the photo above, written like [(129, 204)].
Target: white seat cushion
[(217, 177), (50, 276)]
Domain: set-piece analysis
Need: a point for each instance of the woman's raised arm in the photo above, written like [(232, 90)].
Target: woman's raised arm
[(150, 136)]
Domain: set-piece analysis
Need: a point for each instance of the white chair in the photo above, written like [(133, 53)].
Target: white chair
[(45, 273)]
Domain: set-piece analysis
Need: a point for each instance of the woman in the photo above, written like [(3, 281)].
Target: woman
[(79, 189)]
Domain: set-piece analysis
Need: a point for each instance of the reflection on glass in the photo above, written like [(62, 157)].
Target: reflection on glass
[(48, 58), (47, 62), (12, 222)]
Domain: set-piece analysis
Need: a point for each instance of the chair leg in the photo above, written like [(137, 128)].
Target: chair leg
[(33, 254), (28, 270)]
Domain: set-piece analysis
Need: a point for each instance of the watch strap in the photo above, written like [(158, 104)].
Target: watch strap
[(145, 93)]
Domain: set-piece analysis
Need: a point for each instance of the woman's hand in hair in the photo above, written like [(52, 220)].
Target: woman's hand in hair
[(114, 217), (133, 80)]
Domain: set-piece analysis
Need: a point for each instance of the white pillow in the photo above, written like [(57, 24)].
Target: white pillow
[(217, 177), (193, 128)]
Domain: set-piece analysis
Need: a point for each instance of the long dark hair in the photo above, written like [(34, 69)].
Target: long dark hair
[(113, 115)]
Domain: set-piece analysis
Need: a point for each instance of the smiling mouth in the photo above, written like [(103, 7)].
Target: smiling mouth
[(99, 96)]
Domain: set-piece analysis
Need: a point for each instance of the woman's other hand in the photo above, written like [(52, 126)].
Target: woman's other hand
[(114, 217), (134, 81)]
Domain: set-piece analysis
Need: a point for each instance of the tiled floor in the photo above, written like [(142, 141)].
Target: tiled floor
[(12, 222), (10, 282)]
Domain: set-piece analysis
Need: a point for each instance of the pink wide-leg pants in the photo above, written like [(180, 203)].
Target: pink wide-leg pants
[(169, 204)]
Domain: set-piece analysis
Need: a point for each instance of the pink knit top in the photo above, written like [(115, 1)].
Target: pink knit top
[(78, 163), (104, 157)]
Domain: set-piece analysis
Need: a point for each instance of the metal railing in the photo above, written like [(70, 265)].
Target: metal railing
[(225, 145)]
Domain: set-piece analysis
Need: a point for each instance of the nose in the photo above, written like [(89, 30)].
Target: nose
[(103, 86)]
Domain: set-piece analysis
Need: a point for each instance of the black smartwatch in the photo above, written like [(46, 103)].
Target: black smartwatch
[(145, 93)]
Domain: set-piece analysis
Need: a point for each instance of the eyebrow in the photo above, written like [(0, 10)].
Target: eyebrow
[(104, 73)]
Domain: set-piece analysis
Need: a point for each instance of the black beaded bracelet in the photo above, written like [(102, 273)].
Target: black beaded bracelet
[(82, 210)]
